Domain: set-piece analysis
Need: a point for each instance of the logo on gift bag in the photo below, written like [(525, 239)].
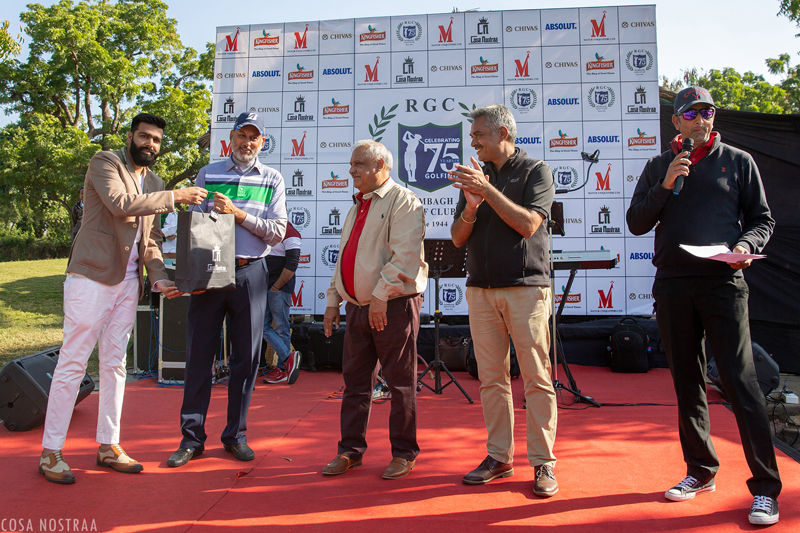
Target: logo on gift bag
[(216, 257)]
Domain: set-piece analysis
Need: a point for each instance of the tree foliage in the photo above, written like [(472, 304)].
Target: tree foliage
[(8, 45), (731, 90), (92, 66)]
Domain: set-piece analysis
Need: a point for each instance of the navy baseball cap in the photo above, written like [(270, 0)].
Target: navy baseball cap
[(690, 96), (250, 119)]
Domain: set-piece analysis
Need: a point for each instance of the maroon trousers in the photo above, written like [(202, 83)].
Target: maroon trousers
[(396, 349)]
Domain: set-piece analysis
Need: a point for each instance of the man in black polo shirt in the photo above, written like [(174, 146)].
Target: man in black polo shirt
[(500, 215), (721, 202)]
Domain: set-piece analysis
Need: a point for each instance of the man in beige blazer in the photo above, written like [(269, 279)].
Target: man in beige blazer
[(117, 239)]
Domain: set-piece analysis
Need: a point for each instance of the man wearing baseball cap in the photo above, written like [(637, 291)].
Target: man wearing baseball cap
[(254, 193), (697, 298)]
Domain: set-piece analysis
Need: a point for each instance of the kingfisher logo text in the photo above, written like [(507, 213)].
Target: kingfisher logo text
[(336, 109), (301, 41), (641, 140), (335, 182), (372, 35), (266, 40), (563, 141), (600, 63), (301, 74), (556, 26), (484, 67)]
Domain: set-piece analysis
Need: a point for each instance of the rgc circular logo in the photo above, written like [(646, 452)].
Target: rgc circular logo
[(300, 217)]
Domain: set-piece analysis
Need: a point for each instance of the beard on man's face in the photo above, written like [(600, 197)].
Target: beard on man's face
[(142, 157)]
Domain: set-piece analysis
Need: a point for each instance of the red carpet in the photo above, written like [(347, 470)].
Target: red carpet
[(614, 464)]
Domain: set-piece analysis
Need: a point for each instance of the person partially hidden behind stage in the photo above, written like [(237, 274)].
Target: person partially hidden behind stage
[(501, 217), (254, 193), (118, 237), (380, 274), (722, 202)]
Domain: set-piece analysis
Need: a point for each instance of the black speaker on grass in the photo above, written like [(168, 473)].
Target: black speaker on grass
[(25, 388)]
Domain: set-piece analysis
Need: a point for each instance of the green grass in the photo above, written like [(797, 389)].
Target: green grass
[(31, 310)]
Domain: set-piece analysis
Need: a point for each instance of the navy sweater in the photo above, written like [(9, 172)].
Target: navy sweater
[(722, 202)]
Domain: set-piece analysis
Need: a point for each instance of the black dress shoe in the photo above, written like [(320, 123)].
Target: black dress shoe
[(183, 456), (488, 470), (241, 451)]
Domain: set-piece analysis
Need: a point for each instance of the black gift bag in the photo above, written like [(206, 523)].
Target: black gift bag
[(206, 251)]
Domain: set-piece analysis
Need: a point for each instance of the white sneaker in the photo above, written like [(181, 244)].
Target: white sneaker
[(293, 366)]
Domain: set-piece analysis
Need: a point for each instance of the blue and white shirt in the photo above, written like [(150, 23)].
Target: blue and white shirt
[(259, 192)]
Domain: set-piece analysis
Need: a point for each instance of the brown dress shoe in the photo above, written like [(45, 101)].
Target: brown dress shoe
[(340, 465), (399, 468), (116, 458), (545, 484), (488, 470), (55, 469)]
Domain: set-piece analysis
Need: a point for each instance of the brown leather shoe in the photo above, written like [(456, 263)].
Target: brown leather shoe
[(398, 468), (55, 469), (340, 465), (488, 470), (116, 458), (545, 484)]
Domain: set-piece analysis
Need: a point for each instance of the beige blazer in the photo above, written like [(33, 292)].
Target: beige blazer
[(113, 203)]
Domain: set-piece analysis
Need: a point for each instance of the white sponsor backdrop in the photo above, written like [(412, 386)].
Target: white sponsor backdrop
[(577, 80)]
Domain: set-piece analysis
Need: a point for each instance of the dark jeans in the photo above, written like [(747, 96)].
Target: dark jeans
[(396, 349), (244, 309), (686, 308)]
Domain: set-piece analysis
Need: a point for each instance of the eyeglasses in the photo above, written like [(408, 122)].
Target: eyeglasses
[(705, 113)]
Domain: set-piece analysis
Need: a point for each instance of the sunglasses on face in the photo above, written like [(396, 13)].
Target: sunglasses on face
[(692, 113)]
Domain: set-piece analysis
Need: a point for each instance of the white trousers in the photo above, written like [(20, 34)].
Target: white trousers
[(91, 311)]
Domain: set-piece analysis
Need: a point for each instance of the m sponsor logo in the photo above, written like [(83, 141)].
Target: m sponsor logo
[(301, 41), (232, 42), (301, 74), (563, 141), (446, 35), (599, 28), (266, 40), (605, 301), (522, 68), (428, 153), (373, 35), (604, 182), (227, 148), (297, 295), (372, 72), (299, 147)]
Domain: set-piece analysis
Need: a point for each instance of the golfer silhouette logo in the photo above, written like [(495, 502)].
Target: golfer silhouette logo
[(410, 161)]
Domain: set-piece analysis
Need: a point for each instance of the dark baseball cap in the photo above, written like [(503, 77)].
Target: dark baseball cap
[(690, 96), (250, 119)]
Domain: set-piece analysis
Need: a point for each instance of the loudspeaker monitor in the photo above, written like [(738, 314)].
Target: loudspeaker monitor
[(25, 389)]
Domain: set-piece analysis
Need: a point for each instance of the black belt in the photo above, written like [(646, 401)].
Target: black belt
[(242, 261)]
